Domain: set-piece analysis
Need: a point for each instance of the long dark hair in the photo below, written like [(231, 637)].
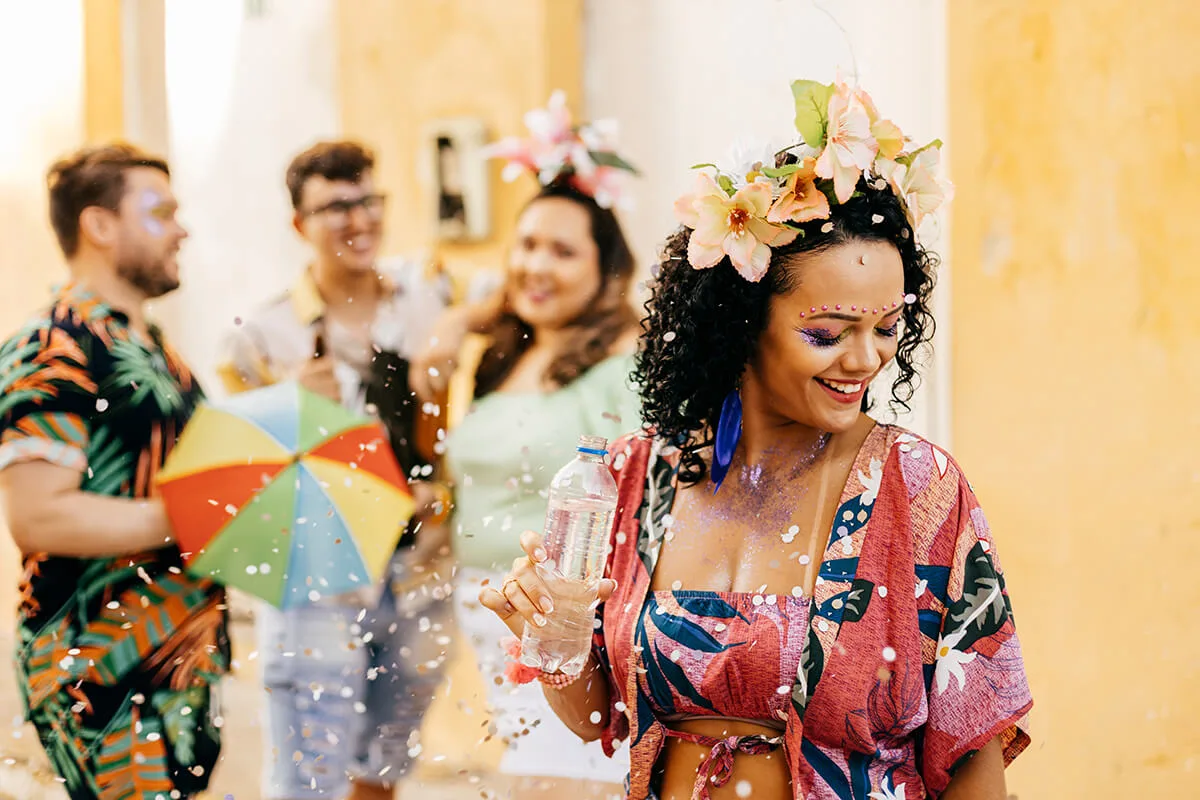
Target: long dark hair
[(595, 331), (715, 318)]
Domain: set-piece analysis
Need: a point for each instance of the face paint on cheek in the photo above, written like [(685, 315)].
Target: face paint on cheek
[(148, 204)]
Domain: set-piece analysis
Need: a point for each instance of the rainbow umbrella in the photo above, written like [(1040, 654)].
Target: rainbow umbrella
[(285, 495)]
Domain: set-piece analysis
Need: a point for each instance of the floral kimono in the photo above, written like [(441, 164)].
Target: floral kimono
[(117, 658), (906, 658)]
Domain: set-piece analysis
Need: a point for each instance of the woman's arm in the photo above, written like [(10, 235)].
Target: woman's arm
[(524, 598), (981, 778), (584, 705), (430, 370)]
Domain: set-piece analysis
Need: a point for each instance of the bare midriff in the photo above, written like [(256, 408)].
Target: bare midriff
[(763, 776)]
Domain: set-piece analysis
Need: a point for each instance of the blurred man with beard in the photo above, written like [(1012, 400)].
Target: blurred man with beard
[(119, 651)]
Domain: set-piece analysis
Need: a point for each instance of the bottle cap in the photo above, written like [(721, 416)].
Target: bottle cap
[(592, 445)]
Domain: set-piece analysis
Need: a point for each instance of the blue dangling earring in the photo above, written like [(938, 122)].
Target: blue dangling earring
[(729, 432)]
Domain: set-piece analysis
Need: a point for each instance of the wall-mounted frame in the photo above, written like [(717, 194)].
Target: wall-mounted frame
[(460, 191)]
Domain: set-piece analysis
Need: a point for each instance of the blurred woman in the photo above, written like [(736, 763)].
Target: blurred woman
[(557, 366)]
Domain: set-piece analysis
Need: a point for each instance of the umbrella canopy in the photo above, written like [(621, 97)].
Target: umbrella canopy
[(285, 495)]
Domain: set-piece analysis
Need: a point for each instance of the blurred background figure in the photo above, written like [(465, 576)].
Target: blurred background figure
[(556, 366), (119, 651), (1067, 268), (349, 678)]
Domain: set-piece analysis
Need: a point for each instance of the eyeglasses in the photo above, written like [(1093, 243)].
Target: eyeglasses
[(337, 214)]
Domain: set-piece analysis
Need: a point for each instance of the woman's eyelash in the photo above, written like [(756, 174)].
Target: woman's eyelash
[(822, 338)]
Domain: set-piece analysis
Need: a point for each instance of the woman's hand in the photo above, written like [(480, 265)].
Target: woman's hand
[(430, 370), (525, 595)]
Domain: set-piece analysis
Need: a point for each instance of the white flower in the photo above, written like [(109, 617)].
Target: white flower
[(888, 792), (950, 662), (871, 482), (600, 135), (552, 123), (746, 159)]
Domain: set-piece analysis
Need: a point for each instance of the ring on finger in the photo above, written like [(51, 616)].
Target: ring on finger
[(505, 585)]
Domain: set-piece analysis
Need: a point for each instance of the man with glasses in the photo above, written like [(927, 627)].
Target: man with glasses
[(349, 678)]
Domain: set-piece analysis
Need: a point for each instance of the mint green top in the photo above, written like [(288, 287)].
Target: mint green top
[(508, 447)]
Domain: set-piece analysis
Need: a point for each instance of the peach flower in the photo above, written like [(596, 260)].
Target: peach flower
[(801, 200), (849, 147), (731, 226)]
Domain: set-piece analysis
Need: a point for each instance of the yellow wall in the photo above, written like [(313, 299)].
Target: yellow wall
[(103, 87), (1075, 136), (405, 64)]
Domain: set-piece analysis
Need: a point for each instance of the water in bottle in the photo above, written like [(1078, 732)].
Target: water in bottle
[(579, 517)]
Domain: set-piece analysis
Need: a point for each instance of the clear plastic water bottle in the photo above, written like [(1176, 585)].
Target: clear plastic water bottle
[(579, 517)]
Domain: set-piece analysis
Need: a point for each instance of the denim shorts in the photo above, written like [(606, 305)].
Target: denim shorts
[(347, 688)]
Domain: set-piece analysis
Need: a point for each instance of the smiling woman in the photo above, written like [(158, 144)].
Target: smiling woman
[(861, 272), (557, 367), (804, 603)]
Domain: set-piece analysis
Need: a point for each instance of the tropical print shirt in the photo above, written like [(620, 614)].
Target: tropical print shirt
[(909, 662), (117, 658)]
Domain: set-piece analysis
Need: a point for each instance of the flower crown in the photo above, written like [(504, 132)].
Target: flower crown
[(745, 210), (585, 155)]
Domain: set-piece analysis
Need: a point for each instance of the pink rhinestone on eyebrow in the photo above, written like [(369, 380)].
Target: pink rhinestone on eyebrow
[(801, 315), (854, 308), (824, 308), (812, 310), (875, 311), (838, 307)]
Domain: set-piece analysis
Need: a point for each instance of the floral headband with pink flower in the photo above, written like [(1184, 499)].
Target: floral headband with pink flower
[(556, 150), (744, 211)]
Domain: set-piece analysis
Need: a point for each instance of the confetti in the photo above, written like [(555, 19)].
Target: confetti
[(877, 218), (669, 336)]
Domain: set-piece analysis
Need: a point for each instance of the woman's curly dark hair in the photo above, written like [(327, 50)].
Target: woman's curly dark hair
[(715, 318)]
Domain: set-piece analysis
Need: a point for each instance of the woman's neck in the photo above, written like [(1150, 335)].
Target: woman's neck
[(549, 340), (766, 432)]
